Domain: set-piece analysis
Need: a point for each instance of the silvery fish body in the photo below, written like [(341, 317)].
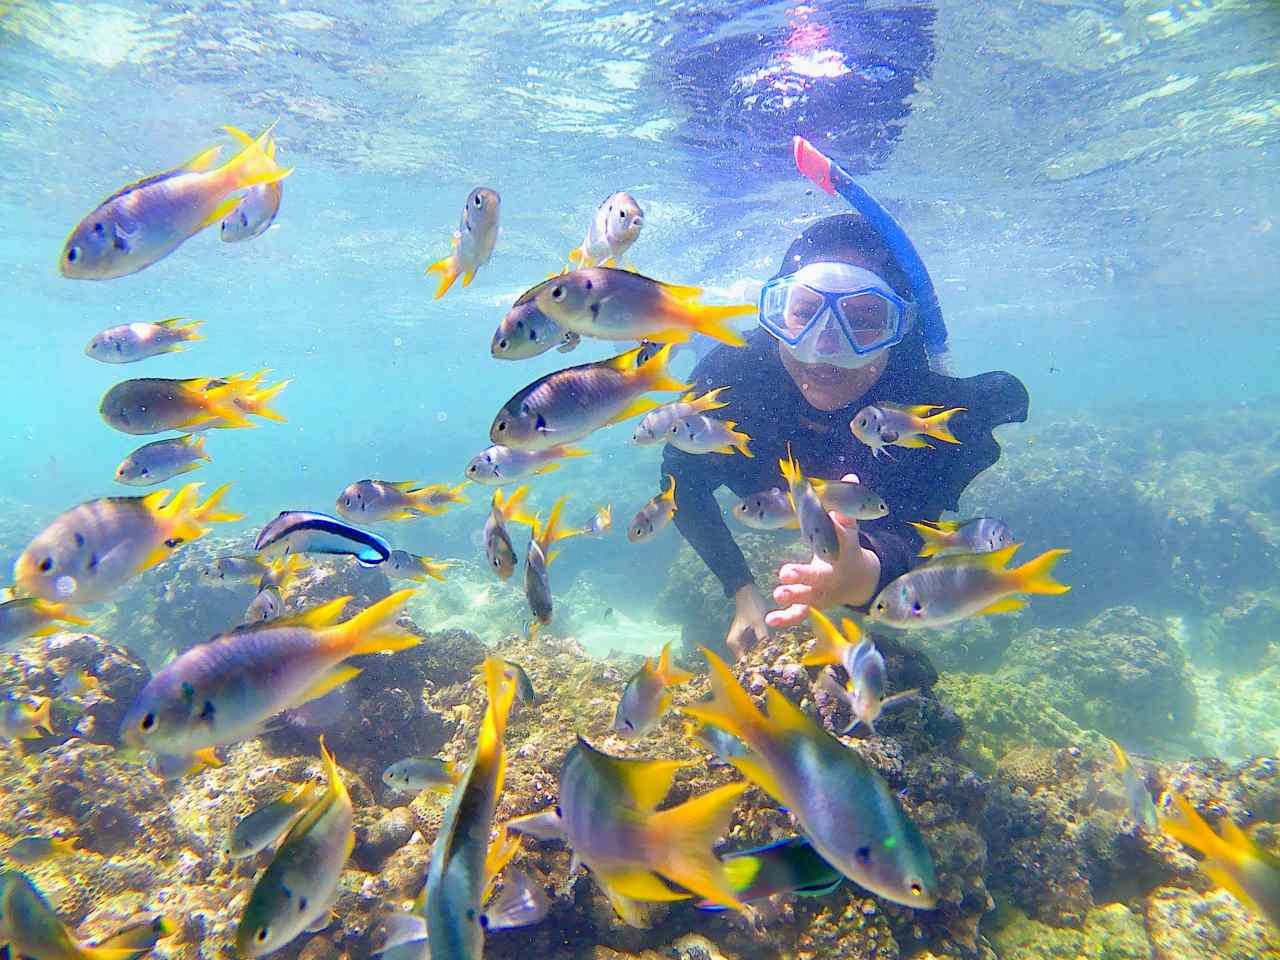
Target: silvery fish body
[(267, 605), (131, 342), (161, 460), (767, 510), (615, 226), (254, 214), (528, 332), (259, 829), (415, 774), (537, 583)]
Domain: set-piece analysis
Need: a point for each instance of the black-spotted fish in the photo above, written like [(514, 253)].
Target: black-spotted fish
[(537, 579), (372, 501), (654, 516), (528, 332), (647, 695), (262, 827), (497, 464), (32, 617), (788, 867), (979, 535), (140, 936), (32, 929), (404, 565), (655, 425), (472, 242), (31, 851), (615, 226), (257, 209), (816, 525), (884, 424), (864, 692), (849, 498), (700, 434), (415, 774), (767, 510), (162, 460), (267, 605), (131, 342), (154, 404), (498, 549)]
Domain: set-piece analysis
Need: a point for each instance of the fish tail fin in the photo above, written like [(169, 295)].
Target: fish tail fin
[(709, 401), (655, 374), (82, 952), (64, 845), (62, 613), (448, 271), (730, 708), (255, 400), (42, 717), (1224, 855), (374, 629), (333, 778), (683, 841), (938, 425), (207, 758), (185, 510), (669, 675), (936, 537), (238, 134), (670, 492), (195, 443), (554, 532), (711, 321), (739, 440), (254, 165), (829, 643), (513, 508), (501, 692), (219, 404), (1036, 576)]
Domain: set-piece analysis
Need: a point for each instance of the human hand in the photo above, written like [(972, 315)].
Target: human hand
[(851, 579), (748, 627)]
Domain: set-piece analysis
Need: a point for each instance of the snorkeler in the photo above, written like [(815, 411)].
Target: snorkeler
[(850, 319)]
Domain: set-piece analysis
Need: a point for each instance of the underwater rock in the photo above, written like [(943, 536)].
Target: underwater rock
[(377, 842), (1190, 925), (1242, 637), (1112, 932)]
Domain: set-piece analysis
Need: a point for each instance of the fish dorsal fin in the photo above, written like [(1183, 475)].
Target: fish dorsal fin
[(783, 714), (325, 615), (623, 361), (645, 782), (204, 160), (828, 645), (996, 560), (238, 134), (946, 526), (153, 501), (684, 294), (915, 410), (406, 486)]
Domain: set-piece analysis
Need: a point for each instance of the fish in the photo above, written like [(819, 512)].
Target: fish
[(226, 689), (700, 434), (647, 695), (178, 766), (263, 826), (656, 424), (864, 693), (614, 228), (528, 332), (537, 581), (725, 746), (612, 304), (372, 501), (524, 686), (131, 342), (32, 617), (282, 571), (1231, 859), (789, 866), (953, 588), (767, 510), (30, 851), (162, 460), (816, 525), (899, 425), (301, 883), (608, 815), (472, 242), (979, 535), (146, 221), (140, 937), (570, 404), (497, 464), (1141, 808), (237, 569), (600, 523), (849, 498), (77, 684), (654, 515), (843, 806), (32, 928), (404, 565), (457, 877), (154, 405), (301, 531), (258, 207), (267, 605), (498, 549), (91, 550), (415, 774)]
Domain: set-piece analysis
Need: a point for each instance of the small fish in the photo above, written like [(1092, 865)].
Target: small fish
[(404, 565), (957, 587), (267, 605), (256, 831), (301, 882), (767, 510), (537, 581), (472, 242), (979, 535), (816, 525), (524, 686), (654, 515), (528, 332), (569, 404), (725, 746), (647, 696), (235, 569), (522, 902), (162, 460), (140, 937), (656, 424), (1141, 808), (226, 689), (31, 617), (32, 929), (131, 342), (91, 550), (415, 774), (154, 405), (34, 850), (301, 531), (257, 209), (282, 571), (613, 304), (701, 434), (614, 228), (600, 523), (178, 766), (498, 549), (77, 684), (897, 425), (1231, 859), (842, 804), (849, 498), (864, 693), (146, 221), (371, 501), (497, 464), (788, 867)]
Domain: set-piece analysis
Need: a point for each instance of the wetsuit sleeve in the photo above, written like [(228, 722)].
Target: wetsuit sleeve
[(698, 516)]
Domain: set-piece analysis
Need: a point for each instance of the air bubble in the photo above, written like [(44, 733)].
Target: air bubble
[(65, 586), (441, 417)]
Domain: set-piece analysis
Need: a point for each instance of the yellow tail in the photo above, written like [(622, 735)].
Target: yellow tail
[(829, 643), (248, 397), (1036, 576), (448, 271), (186, 519), (938, 427), (501, 690), (1226, 856), (188, 330), (254, 165), (738, 440), (711, 321), (512, 509), (374, 630), (681, 841), (42, 718), (61, 612), (553, 531), (708, 401), (730, 708), (655, 375), (219, 406), (669, 675), (936, 535)]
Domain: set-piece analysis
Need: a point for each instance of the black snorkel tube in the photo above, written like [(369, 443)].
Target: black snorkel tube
[(833, 179)]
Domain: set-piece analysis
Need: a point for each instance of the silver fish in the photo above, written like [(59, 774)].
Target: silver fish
[(415, 774), (615, 226), (257, 209), (472, 242), (256, 831), (160, 460), (131, 342), (767, 510)]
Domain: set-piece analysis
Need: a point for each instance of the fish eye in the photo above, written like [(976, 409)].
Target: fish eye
[(622, 214), (148, 722), (502, 425), (502, 344), (262, 935), (916, 889), (478, 200), (916, 607), (144, 472), (73, 254), (557, 293), (864, 855), (244, 219), (46, 564)]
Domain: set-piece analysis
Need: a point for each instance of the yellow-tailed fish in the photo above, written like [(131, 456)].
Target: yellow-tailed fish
[(654, 516), (864, 693), (154, 405), (816, 525), (259, 829), (404, 565), (225, 690), (843, 806), (282, 571), (615, 226), (249, 396), (647, 695), (32, 929), (257, 209), (600, 523), (497, 464), (849, 498), (33, 617), (89, 551), (656, 424), (178, 766), (472, 242), (964, 585), (1141, 808), (147, 220), (267, 605), (371, 501), (131, 342), (767, 510), (884, 424), (537, 581), (34, 850), (569, 404), (301, 883), (1231, 859), (141, 937), (457, 878), (524, 686), (162, 460), (979, 535), (415, 774), (249, 569), (528, 332), (788, 867), (699, 434), (498, 549)]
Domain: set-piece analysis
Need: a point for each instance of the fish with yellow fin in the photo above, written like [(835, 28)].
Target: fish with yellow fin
[(647, 695), (655, 425), (32, 617), (140, 937), (699, 434), (404, 565), (264, 825), (615, 226), (653, 517), (498, 464), (498, 549), (979, 535), (816, 525), (257, 209), (1141, 807), (884, 424), (155, 404), (537, 579), (372, 501), (864, 692), (31, 928), (30, 851), (131, 342), (472, 242), (600, 523)]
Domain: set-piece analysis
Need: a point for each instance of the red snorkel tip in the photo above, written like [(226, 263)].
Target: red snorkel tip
[(813, 164)]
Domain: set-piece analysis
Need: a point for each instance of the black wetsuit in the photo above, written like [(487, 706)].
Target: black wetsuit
[(918, 484)]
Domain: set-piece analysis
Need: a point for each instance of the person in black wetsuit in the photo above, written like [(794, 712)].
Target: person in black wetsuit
[(800, 380)]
